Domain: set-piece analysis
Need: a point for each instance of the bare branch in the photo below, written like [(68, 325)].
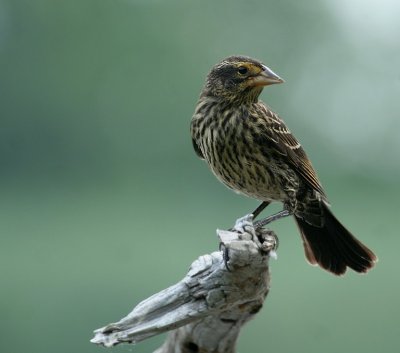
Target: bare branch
[(207, 308)]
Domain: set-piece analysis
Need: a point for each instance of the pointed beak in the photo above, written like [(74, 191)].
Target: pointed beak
[(266, 77)]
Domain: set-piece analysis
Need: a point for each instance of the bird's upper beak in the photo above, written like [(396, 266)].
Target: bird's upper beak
[(266, 77)]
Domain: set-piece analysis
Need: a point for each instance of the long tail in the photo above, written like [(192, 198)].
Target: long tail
[(333, 247)]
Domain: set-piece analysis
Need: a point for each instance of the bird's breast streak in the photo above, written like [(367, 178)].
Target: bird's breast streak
[(238, 165)]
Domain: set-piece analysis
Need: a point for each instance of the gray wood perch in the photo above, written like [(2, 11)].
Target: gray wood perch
[(207, 308)]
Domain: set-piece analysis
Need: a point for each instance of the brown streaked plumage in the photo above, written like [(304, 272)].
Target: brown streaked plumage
[(251, 150)]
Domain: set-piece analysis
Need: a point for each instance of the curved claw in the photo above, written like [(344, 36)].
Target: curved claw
[(244, 225), (225, 256)]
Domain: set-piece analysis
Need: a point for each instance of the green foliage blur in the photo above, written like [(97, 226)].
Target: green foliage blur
[(103, 202)]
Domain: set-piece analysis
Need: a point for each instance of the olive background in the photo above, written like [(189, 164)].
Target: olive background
[(103, 201)]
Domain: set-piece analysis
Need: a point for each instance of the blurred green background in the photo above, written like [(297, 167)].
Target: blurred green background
[(103, 202)]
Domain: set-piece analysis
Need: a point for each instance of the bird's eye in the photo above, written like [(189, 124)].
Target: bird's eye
[(242, 70)]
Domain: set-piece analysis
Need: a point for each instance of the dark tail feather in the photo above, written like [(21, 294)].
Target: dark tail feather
[(333, 247)]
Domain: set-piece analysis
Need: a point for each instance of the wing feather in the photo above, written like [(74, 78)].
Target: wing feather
[(197, 149), (286, 144)]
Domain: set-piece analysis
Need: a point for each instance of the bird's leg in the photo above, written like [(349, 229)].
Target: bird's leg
[(289, 206), (263, 222), (245, 223), (260, 208)]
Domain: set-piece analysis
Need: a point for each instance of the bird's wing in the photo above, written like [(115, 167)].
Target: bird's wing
[(283, 141), (194, 132), (197, 149)]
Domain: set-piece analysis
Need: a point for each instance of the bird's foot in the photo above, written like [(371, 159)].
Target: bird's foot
[(266, 239), (245, 227), (269, 242)]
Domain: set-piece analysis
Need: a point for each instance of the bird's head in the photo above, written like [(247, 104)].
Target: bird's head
[(239, 79)]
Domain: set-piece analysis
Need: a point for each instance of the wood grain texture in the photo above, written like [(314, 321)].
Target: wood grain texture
[(206, 310)]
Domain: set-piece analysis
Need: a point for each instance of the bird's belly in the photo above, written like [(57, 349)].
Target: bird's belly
[(250, 174)]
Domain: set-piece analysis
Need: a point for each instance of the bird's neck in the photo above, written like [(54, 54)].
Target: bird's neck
[(248, 97)]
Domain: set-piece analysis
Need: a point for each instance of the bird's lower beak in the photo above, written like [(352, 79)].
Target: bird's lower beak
[(266, 77)]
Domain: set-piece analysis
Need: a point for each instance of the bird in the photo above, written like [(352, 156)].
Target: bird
[(250, 149)]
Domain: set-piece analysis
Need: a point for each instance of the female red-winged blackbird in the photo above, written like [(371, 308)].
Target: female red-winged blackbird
[(250, 149)]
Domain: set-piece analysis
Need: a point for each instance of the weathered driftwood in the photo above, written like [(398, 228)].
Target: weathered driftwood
[(207, 308)]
